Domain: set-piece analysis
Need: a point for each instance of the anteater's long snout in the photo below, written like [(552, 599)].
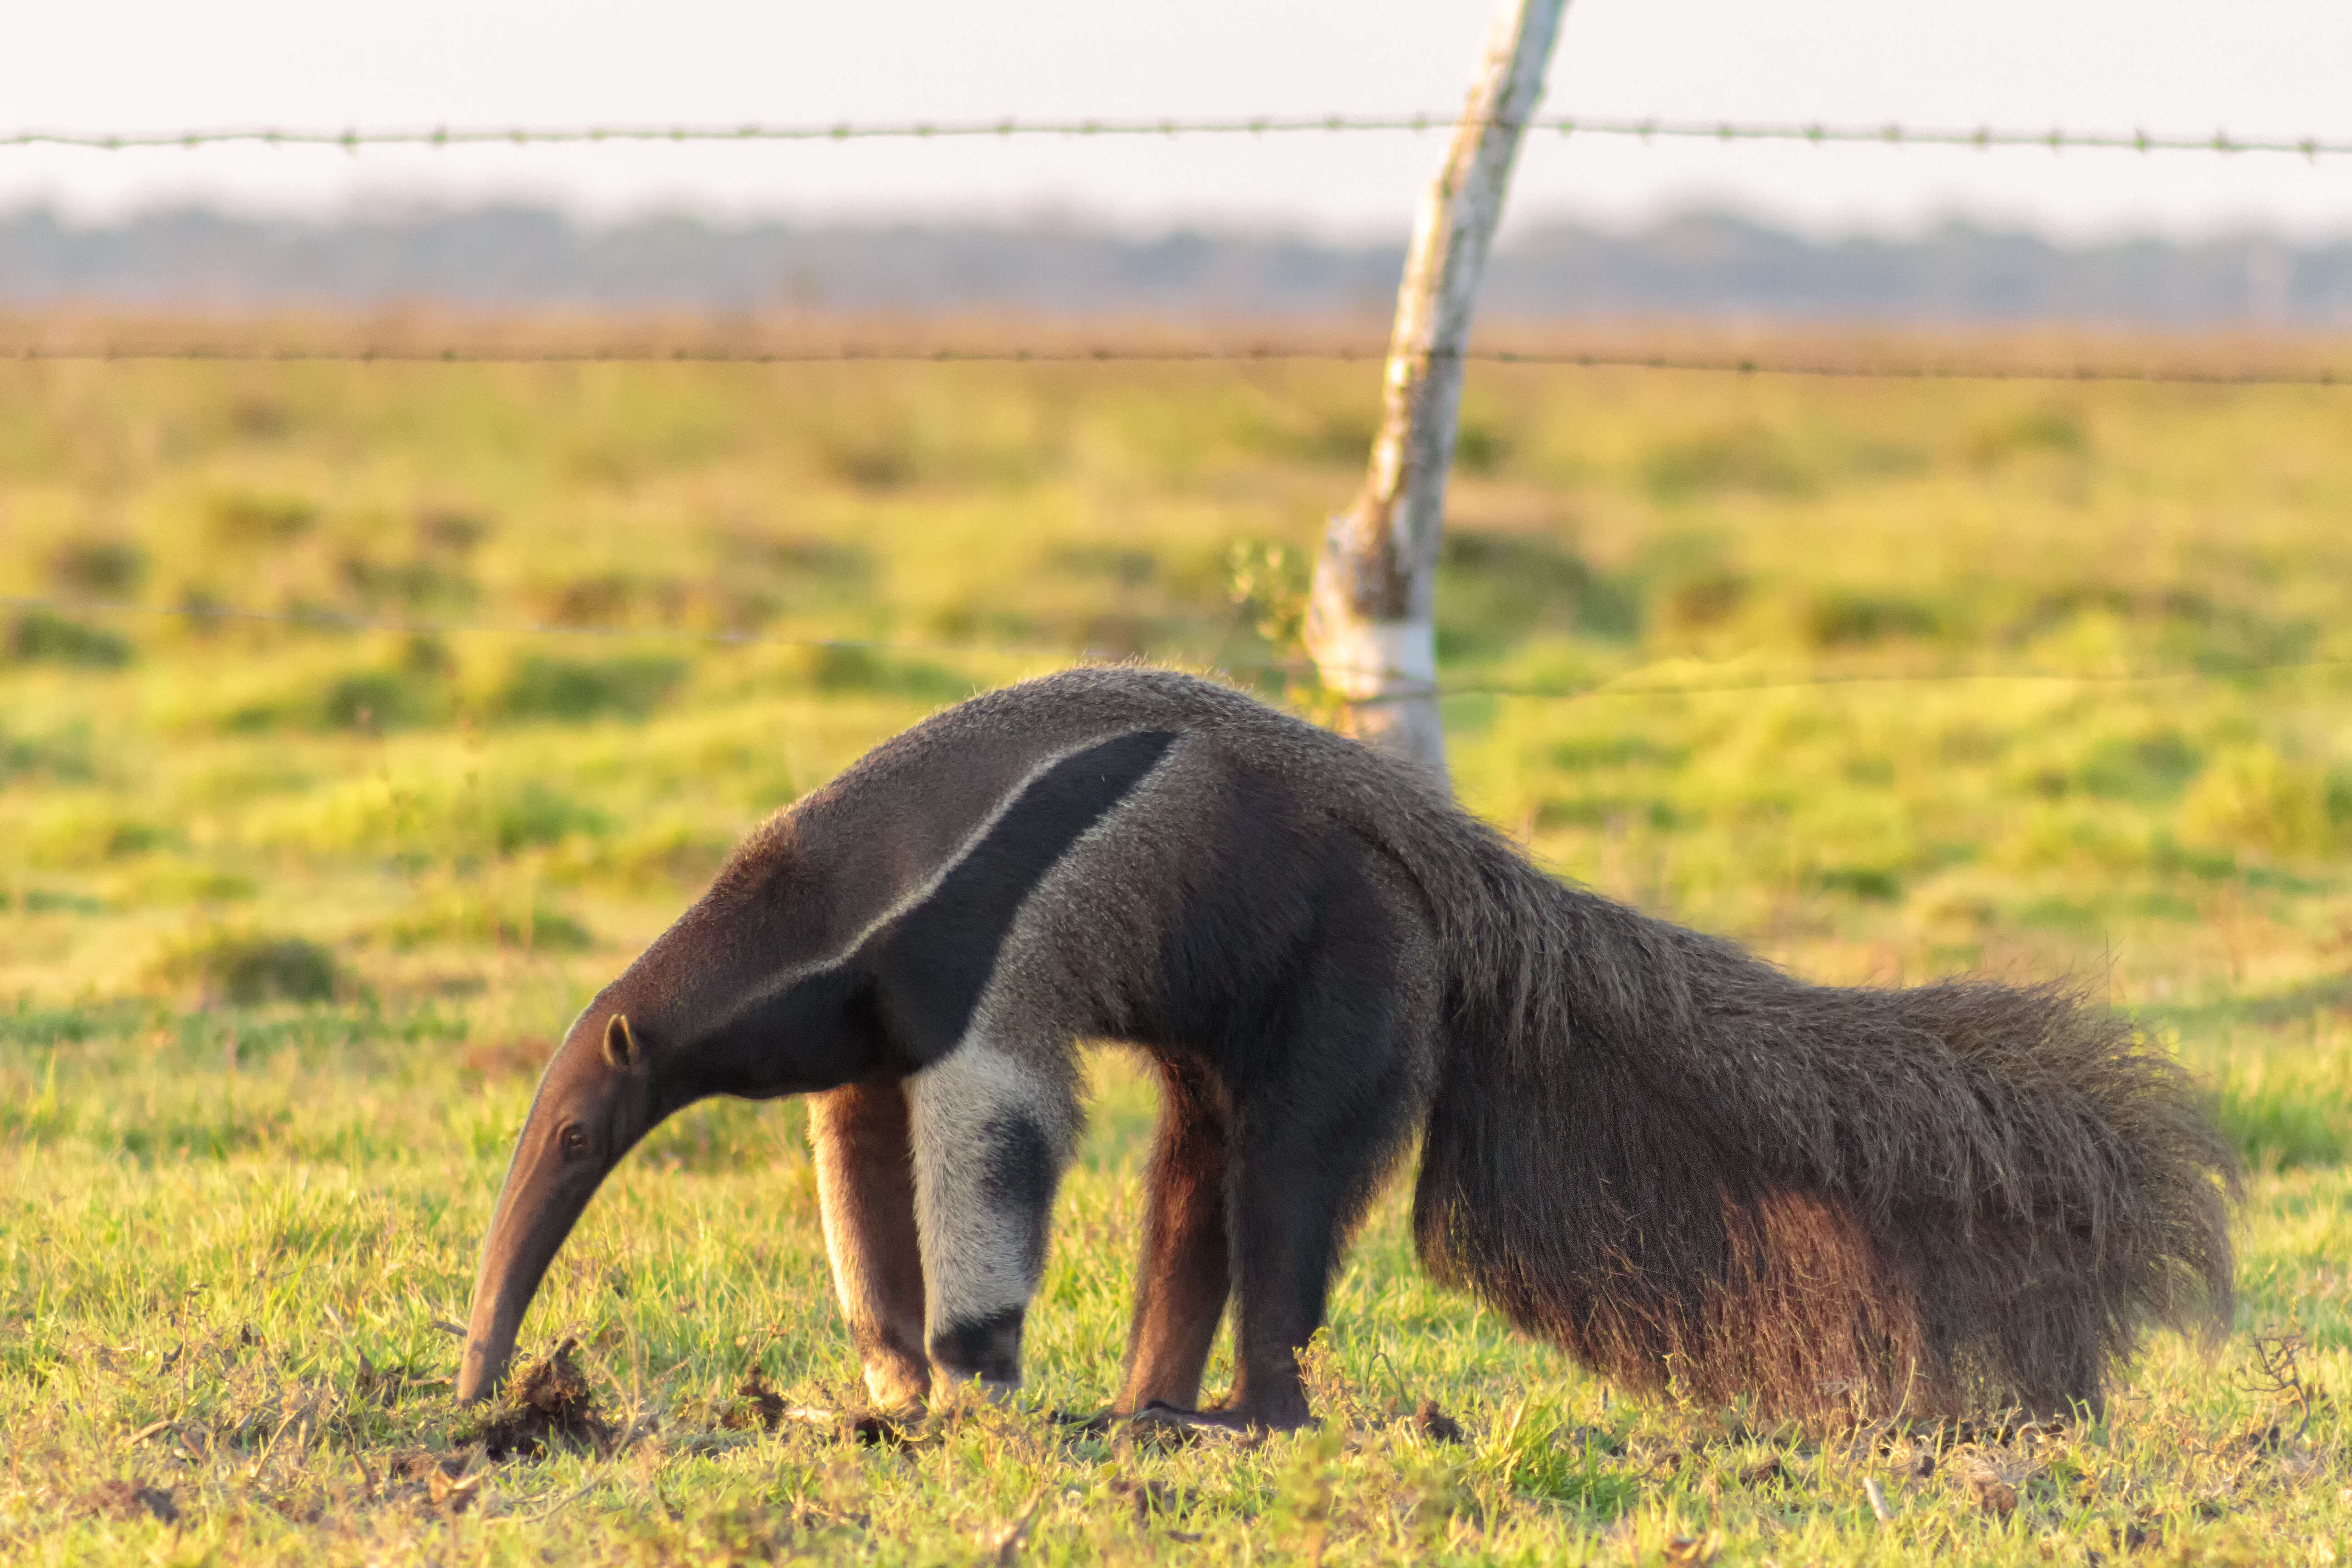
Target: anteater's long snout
[(534, 1215), (591, 1109)]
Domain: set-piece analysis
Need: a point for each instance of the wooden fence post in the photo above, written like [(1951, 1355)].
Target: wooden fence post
[(1370, 623)]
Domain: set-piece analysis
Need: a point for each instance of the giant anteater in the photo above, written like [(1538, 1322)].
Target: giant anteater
[(1676, 1162)]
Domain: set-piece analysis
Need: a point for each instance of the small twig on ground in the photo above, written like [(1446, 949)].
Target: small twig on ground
[(2279, 1357), (1870, 1489), (549, 1511)]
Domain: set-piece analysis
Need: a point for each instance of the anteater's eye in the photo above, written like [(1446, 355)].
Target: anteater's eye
[(573, 1140)]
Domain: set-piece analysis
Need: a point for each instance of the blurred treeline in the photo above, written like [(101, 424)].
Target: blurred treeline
[(1692, 265)]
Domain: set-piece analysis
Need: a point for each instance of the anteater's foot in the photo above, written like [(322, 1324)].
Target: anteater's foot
[(1078, 1423)]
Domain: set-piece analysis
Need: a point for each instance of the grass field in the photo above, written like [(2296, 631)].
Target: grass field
[(1888, 680)]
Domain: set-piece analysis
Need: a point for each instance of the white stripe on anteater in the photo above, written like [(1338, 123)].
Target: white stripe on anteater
[(990, 1134), (994, 1119), (991, 1110)]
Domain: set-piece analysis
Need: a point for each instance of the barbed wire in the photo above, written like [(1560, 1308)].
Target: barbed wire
[(1983, 138), (631, 354), (1626, 684)]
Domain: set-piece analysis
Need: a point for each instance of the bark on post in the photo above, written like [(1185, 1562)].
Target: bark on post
[(1371, 622)]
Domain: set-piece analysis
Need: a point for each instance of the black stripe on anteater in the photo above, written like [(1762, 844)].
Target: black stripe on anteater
[(932, 964), (906, 997)]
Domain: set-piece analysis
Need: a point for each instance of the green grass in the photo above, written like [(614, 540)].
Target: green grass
[(248, 1228), (289, 917)]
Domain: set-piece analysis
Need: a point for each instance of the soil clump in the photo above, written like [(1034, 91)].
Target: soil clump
[(549, 1401)]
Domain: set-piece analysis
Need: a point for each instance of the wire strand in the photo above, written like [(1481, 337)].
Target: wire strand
[(1983, 138), (627, 354)]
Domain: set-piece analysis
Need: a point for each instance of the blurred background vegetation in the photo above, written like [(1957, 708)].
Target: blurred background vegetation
[(1889, 679)]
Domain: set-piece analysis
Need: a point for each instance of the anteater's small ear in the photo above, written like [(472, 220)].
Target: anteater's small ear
[(620, 1046)]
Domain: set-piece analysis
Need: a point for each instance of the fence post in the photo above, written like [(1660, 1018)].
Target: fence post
[(1371, 624)]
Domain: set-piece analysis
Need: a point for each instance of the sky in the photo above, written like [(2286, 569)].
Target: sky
[(2252, 66)]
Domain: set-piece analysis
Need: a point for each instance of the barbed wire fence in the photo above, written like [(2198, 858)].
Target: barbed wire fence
[(1639, 683), (1982, 138), (1130, 354)]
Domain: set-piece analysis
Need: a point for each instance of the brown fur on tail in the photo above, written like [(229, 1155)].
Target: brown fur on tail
[(1685, 1166)]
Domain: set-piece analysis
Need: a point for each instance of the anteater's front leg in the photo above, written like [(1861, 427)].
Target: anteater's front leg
[(866, 1193), (1182, 1281), (992, 1129)]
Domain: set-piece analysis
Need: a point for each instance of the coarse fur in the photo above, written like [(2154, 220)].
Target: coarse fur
[(1676, 1162), (1835, 1200)]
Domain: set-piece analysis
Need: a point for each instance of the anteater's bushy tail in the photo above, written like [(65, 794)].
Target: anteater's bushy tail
[(1686, 1167)]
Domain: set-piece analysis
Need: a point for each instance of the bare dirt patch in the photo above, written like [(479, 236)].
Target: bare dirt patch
[(1436, 1425), (757, 1406), (128, 1499)]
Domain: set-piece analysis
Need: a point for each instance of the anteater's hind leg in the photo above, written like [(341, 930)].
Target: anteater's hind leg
[(1183, 1278), (866, 1193), (1304, 1170), (1319, 1107), (992, 1128)]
